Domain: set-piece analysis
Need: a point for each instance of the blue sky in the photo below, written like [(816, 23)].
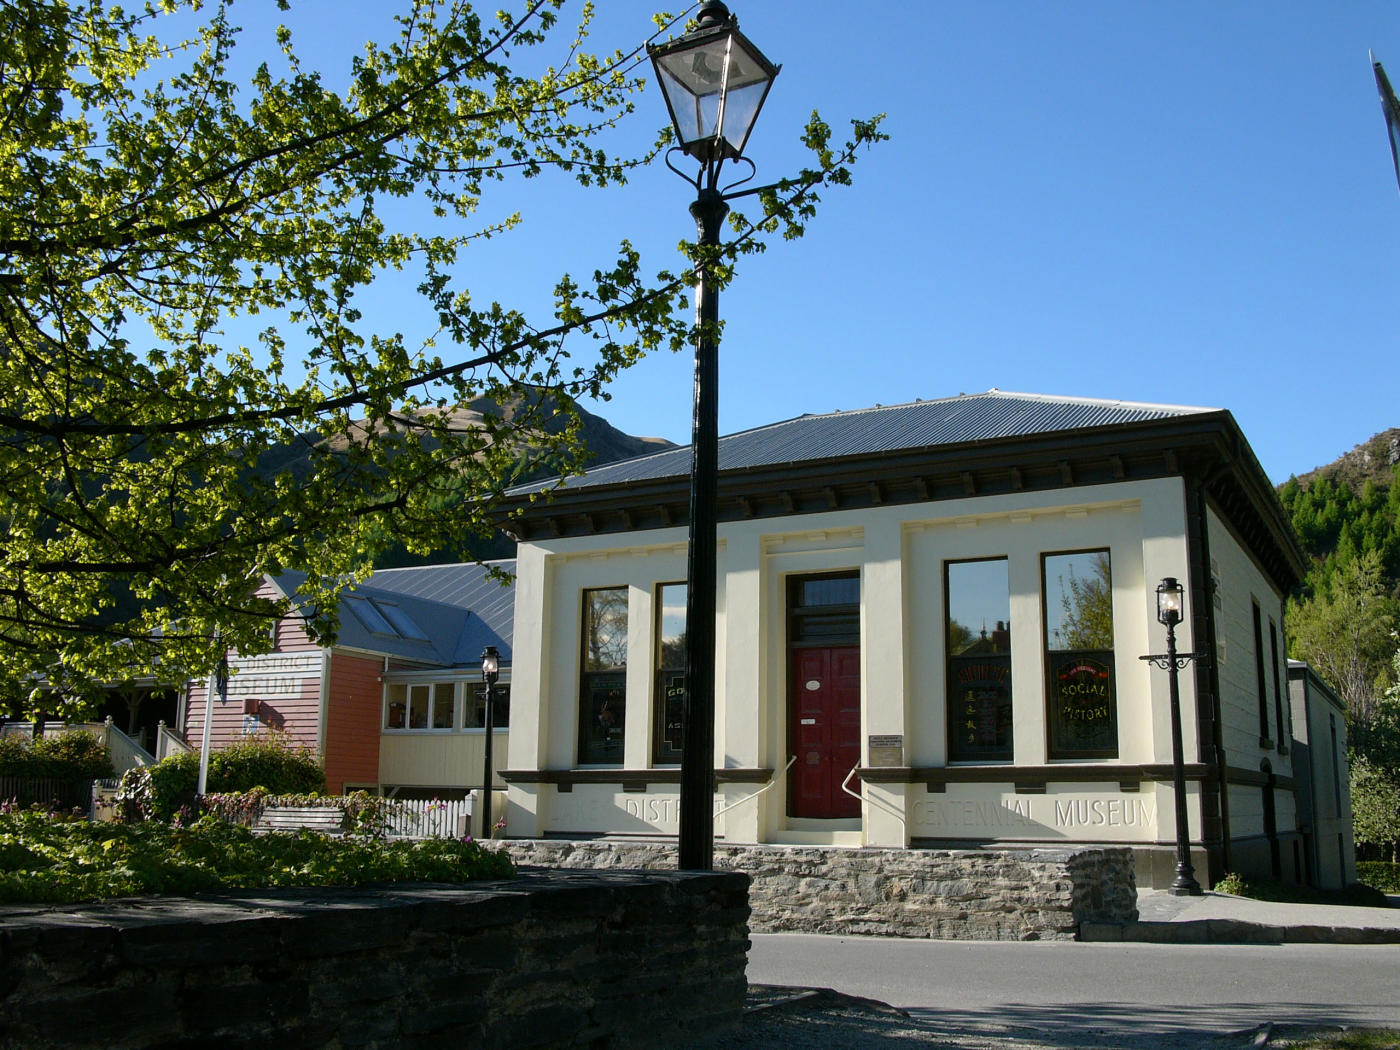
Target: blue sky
[(1190, 203)]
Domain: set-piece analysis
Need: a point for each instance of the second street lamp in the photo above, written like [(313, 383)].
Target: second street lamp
[(715, 82), (1170, 612), (490, 671)]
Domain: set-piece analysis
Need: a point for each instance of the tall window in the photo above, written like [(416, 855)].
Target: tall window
[(603, 681), (1082, 706), (1278, 691), (1264, 740), (431, 705), (669, 704), (979, 660)]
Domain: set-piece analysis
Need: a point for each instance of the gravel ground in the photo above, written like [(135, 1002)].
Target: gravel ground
[(798, 1019)]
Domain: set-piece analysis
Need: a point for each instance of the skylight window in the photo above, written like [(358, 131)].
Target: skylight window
[(384, 618)]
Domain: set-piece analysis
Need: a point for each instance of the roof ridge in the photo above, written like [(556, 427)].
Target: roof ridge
[(1077, 399), (442, 565)]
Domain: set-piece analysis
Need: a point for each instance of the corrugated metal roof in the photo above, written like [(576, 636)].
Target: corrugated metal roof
[(465, 586), (894, 428)]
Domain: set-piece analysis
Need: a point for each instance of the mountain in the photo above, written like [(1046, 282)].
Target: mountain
[(1373, 460), (604, 444), (1347, 508)]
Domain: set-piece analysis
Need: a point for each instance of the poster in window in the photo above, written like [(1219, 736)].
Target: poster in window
[(672, 716), (1082, 704), (604, 708), (980, 723)]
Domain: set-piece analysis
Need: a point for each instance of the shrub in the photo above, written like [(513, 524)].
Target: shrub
[(1381, 874), (74, 755), (46, 859), (267, 760), (270, 764)]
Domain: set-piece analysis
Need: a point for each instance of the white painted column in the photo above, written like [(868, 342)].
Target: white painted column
[(884, 693), (743, 733), (529, 676)]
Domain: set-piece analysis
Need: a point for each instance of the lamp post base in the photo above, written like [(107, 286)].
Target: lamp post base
[(1185, 885)]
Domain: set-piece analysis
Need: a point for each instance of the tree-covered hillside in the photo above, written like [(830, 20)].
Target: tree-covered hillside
[(1347, 517)]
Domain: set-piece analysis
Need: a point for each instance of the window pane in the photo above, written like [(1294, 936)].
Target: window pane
[(602, 711), (670, 672), (1079, 601), (979, 660), (603, 683), (605, 629), (442, 705), (396, 710), (476, 706), (418, 707), (368, 615), (403, 624), (1082, 703), (832, 590)]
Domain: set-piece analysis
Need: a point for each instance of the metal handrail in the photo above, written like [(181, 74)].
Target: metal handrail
[(861, 796), (760, 791)]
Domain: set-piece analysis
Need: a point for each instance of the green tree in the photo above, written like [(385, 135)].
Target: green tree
[(1375, 806), (153, 461), (1345, 633), (1087, 605)]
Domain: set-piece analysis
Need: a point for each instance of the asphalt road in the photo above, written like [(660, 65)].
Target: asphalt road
[(1070, 994)]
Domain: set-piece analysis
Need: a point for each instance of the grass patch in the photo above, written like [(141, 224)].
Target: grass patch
[(1358, 895), (1352, 1039), (55, 859)]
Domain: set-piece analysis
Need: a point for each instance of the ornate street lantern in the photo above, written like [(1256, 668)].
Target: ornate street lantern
[(715, 81)]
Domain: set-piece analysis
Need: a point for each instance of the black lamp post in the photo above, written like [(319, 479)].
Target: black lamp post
[(1170, 606), (490, 671), (714, 81)]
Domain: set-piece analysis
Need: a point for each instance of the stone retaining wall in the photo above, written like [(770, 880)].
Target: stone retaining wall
[(950, 894), (562, 959)]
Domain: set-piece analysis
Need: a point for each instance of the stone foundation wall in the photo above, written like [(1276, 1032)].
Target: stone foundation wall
[(950, 894), (562, 959)]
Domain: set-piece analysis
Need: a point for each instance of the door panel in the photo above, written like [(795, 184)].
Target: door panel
[(824, 710)]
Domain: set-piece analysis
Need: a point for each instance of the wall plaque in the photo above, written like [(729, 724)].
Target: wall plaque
[(887, 749)]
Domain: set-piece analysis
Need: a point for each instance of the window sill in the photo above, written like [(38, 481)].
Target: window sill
[(1266, 743)]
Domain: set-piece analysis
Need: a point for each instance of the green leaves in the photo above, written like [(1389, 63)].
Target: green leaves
[(45, 858), (157, 453)]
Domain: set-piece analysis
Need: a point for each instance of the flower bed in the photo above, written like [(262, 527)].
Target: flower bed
[(48, 858)]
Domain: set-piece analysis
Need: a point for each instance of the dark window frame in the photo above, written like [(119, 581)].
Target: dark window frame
[(668, 683), (1079, 662), (602, 694), (822, 623), (1265, 740), (995, 683), (1278, 690)]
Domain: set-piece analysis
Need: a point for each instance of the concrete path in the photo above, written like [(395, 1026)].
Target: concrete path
[(1220, 918)]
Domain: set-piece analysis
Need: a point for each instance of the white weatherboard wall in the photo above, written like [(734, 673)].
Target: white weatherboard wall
[(899, 553)]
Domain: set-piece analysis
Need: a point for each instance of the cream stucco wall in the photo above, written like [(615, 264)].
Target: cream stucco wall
[(1238, 585), (899, 553)]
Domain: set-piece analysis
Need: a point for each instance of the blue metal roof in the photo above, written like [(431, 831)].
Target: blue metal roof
[(895, 428), (443, 615)]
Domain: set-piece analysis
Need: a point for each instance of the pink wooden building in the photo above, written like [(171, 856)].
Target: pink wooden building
[(395, 704)]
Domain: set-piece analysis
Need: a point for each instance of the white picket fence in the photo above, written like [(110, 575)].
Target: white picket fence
[(430, 818)]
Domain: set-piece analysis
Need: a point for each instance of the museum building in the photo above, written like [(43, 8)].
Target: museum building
[(930, 625)]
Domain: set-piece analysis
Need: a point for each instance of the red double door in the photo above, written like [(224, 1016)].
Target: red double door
[(824, 713)]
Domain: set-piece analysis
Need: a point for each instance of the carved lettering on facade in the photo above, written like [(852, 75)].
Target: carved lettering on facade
[(1065, 813), (1103, 813)]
